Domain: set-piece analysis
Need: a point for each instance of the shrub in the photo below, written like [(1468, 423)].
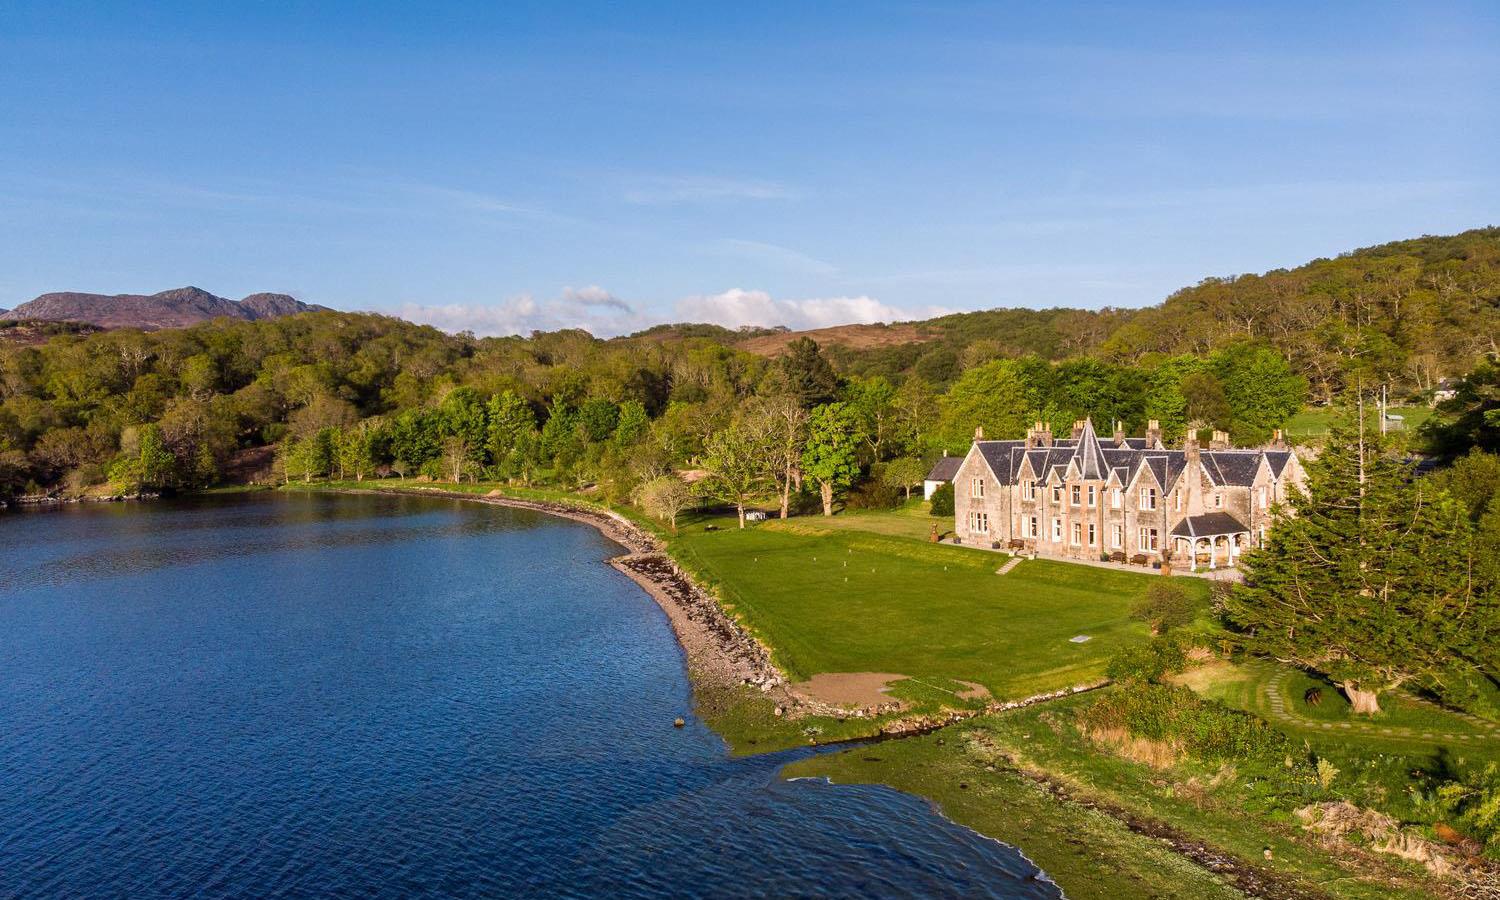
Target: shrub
[(1473, 805), (1149, 662), (1175, 715), (873, 495), (1165, 606), (941, 503)]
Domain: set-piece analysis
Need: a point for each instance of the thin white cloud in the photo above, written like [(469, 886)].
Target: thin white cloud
[(736, 307), (774, 254), (670, 189), (591, 308)]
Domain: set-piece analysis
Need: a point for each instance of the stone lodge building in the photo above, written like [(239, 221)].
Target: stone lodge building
[(1125, 499)]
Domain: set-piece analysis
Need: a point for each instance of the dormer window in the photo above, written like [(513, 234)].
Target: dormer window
[(1057, 493), (1028, 490), (1148, 498), (1077, 494), (1093, 497), (1116, 498)]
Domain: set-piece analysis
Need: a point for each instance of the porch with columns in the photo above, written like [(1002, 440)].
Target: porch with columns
[(1212, 541)]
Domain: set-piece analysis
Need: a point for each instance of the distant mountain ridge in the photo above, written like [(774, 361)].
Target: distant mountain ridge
[(169, 309)]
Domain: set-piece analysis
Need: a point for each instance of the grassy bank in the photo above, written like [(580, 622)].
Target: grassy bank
[(984, 773)]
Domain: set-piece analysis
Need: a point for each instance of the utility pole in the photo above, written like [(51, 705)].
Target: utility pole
[(1382, 410)]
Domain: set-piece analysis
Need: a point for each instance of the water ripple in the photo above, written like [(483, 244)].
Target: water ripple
[(285, 697)]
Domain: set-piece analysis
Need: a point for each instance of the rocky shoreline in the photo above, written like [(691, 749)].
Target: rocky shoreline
[(55, 500)]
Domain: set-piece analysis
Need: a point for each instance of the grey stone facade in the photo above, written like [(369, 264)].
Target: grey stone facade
[(1130, 499)]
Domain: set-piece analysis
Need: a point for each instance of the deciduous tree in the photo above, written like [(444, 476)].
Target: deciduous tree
[(830, 456)]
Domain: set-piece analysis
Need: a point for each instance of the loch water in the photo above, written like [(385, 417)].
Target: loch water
[(316, 695)]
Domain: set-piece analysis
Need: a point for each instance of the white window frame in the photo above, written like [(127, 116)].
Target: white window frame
[(1056, 530), (1218, 499), (1148, 499), (1116, 537), (1077, 534), (1116, 498), (1028, 490), (1057, 494), (1034, 527), (1093, 531), (1075, 495), (976, 488), (1148, 540)]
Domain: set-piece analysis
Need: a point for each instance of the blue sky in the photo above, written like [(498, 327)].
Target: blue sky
[(513, 166)]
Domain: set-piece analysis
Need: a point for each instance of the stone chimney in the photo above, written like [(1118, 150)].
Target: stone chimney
[(1153, 434), (979, 433), (1220, 441), (1119, 435), (1278, 440), (1077, 429), (1190, 447)]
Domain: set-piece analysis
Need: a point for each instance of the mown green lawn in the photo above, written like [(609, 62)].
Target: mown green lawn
[(910, 520), (1313, 422), (831, 597), (1404, 725)]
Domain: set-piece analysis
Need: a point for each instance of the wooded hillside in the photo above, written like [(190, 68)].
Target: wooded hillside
[(350, 393)]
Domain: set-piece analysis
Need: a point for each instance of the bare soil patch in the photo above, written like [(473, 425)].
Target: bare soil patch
[(864, 690), (856, 337)]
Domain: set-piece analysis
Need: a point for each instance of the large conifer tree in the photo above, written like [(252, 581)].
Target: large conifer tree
[(1368, 578)]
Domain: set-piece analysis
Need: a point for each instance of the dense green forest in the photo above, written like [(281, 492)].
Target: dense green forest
[(1406, 314), (355, 394)]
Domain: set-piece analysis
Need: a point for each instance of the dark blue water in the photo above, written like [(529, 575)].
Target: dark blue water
[(394, 697)]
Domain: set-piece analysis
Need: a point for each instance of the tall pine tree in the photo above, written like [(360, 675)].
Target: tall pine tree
[(1368, 578)]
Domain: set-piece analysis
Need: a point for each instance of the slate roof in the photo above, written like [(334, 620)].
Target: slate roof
[(945, 469), (1097, 460), (1208, 525), (1090, 455), (1232, 467), (1278, 460)]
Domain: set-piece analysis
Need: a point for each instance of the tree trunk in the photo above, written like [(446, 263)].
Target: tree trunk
[(826, 489), (786, 493), (1365, 703), (740, 508)]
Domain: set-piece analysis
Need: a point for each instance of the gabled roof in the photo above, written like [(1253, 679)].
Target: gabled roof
[(1209, 525), (1278, 460), (1231, 467), (1096, 460), (1001, 459), (945, 469)]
